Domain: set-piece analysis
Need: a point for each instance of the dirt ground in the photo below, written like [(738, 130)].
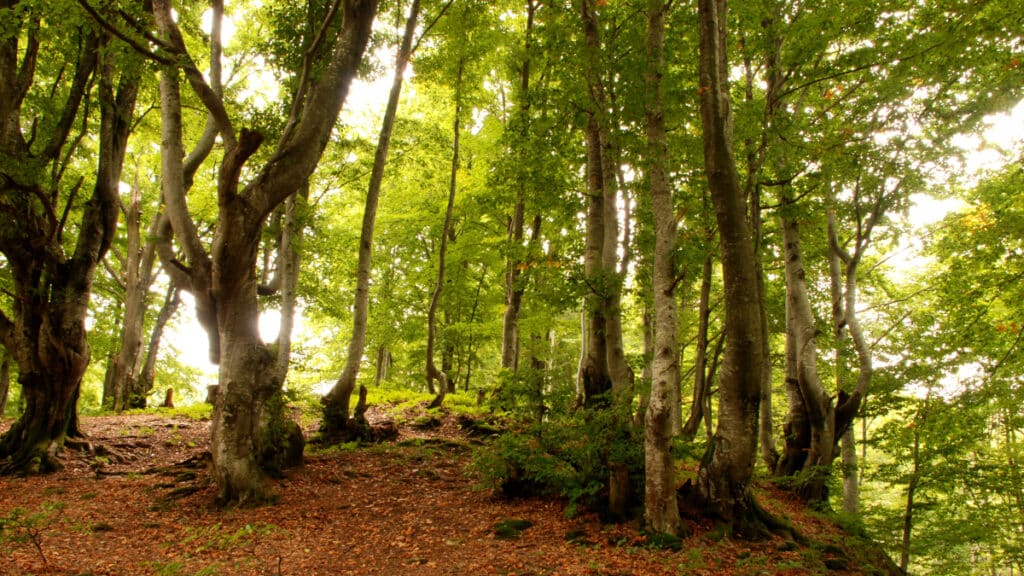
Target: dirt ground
[(404, 507)]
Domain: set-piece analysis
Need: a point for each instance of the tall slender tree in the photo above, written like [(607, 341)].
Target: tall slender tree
[(336, 402), (662, 511)]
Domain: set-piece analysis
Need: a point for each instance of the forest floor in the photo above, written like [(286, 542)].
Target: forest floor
[(410, 506)]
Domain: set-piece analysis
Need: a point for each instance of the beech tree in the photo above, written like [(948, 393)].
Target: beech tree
[(726, 470), (58, 77), (223, 278), (336, 402), (662, 510)]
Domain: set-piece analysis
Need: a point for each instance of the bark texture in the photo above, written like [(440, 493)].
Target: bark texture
[(45, 330), (661, 509), (224, 281), (433, 374), (724, 476)]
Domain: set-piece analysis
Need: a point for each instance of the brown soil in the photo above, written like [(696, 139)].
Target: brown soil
[(396, 508)]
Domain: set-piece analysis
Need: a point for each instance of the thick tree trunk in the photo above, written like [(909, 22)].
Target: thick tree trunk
[(336, 403), (725, 473), (224, 281), (661, 509), (47, 335)]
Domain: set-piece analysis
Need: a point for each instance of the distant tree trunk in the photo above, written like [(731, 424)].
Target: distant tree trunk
[(138, 263), (143, 383), (5, 381), (661, 509), (908, 509), (513, 291), (915, 476), (432, 372), (46, 334), (700, 379), (725, 473), (289, 264), (383, 362), (843, 267), (336, 402)]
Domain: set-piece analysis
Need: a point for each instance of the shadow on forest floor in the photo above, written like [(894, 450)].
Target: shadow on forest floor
[(404, 507)]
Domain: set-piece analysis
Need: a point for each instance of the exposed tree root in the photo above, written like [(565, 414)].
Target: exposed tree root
[(747, 520)]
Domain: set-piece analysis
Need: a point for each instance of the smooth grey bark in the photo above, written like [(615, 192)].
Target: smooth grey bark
[(724, 477), (661, 508), (290, 260), (336, 403), (811, 438), (224, 281), (143, 384), (139, 265), (844, 274)]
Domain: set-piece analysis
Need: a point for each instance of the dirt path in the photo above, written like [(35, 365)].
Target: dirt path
[(391, 509)]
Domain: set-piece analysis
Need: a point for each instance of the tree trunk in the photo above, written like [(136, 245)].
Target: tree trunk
[(290, 259), (5, 381), (336, 402), (433, 374), (383, 362), (597, 377), (607, 378), (844, 313), (811, 436), (700, 379), (513, 291), (47, 335), (138, 265), (143, 384), (725, 473), (662, 511), (224, 281)]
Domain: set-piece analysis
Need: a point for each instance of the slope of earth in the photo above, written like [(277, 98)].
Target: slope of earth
[(406, 507)]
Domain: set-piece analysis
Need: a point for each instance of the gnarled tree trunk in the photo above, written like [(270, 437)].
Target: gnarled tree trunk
[(224, 281), (46, 334)]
